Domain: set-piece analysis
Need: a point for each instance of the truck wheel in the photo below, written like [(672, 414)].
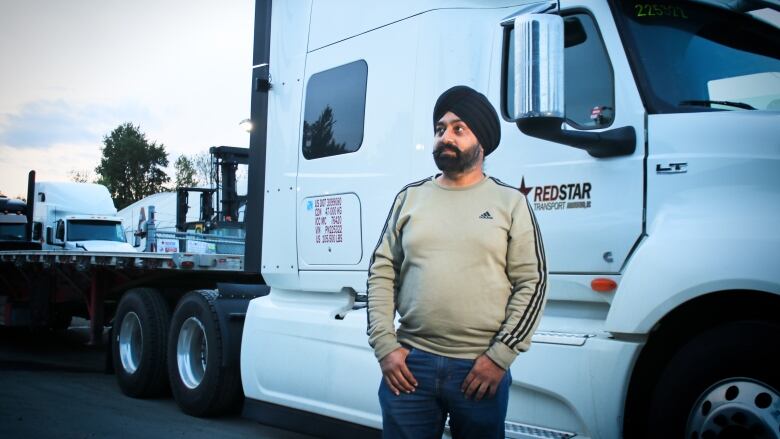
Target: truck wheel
[(200, 383), (139, 343), (61, 322), (722, 384)]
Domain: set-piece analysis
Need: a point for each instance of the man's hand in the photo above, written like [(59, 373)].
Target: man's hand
[(397, 376), (484, 378)]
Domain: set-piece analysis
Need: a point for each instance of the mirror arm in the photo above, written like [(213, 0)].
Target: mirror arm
[(611, 143)]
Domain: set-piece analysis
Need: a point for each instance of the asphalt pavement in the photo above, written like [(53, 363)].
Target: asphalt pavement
[(52, 385)]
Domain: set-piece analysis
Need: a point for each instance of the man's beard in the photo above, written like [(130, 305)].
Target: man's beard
[(457, 163)]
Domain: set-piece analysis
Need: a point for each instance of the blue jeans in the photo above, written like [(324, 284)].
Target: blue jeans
[(422, 413)]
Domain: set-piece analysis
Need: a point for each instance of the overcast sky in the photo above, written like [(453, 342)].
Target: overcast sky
[(73, 70)]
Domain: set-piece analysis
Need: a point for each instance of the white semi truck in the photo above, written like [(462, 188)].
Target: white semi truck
[(645, 136), (77, 216)]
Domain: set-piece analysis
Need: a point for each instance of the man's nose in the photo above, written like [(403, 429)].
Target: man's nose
[(446, 137)]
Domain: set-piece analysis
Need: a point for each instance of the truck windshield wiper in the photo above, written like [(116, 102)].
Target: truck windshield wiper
[(706, 103)]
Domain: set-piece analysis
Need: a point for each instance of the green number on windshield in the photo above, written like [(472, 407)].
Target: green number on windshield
[(658, 10)]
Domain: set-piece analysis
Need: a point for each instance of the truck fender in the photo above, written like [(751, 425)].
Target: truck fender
[(231, 305), (685, 257)]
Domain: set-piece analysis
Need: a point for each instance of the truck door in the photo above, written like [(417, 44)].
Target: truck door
[(333, 134), (355, 151), (354, 156), (590, 210)]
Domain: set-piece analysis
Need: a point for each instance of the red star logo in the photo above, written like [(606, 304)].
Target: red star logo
[(523, 188)]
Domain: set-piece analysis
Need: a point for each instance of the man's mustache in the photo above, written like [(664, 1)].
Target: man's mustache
[(441, 147)]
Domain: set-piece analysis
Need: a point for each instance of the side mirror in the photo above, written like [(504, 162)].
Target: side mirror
[(37, 231), (538, 67), (59, 233), (539, 89), (49, 239)]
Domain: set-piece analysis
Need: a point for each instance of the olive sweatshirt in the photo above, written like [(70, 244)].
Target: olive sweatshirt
[(463, 267)]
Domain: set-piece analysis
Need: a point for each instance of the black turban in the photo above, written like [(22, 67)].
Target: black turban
[(473, 108)]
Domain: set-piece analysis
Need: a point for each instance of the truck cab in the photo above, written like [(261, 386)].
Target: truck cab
[(77, 216), (88, 233), (12, 219), (13, 226), (645, 139)]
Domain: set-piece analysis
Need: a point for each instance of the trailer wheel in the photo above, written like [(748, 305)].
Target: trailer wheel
[(61, 322), (139, 343), (722, 384), (201, 384)]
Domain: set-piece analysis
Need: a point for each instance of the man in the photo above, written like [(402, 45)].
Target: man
[(461, 260)]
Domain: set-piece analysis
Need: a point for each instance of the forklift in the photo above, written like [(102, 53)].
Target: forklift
[(226, 220)]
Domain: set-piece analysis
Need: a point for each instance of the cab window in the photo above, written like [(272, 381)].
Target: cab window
[(335, 111)]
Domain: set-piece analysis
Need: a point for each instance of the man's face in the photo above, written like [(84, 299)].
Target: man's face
[(456, 148)]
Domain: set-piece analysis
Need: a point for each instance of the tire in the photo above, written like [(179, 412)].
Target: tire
[(61, 322), (201, 385), (139, 341), (723, 383)]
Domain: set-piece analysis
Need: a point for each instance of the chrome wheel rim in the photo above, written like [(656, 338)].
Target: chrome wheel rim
[(192, 351), (736, 408), (131, 342)]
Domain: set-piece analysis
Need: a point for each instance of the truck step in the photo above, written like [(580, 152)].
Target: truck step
[(516, 430)]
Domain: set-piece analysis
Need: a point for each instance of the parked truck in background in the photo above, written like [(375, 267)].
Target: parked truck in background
[(644, 136), (13, 224), (16, 222), (73, 216)]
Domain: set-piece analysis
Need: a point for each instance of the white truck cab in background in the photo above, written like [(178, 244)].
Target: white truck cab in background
[(77, 216), (646, 138)]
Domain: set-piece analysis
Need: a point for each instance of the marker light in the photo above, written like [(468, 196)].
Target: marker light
[(603, 285), (246, 125)]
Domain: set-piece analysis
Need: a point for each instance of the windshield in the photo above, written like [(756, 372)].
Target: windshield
[(95, 230), (12, 232), (695, 57)]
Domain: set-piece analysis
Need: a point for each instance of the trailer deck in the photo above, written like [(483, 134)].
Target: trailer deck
[(89, 284)]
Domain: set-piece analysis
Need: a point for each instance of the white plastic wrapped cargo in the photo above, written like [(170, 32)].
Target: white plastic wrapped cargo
[(165, 212)]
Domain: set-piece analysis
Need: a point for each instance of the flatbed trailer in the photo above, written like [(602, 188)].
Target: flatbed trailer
[(41, 288)]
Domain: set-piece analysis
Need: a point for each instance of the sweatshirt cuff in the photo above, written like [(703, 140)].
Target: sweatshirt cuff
[(385, 345), (501, 354)]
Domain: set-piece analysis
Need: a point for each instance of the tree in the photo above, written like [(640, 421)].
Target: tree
[(185, 172), (318, 138), (203, 168), (83, 176), (131, 167)]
